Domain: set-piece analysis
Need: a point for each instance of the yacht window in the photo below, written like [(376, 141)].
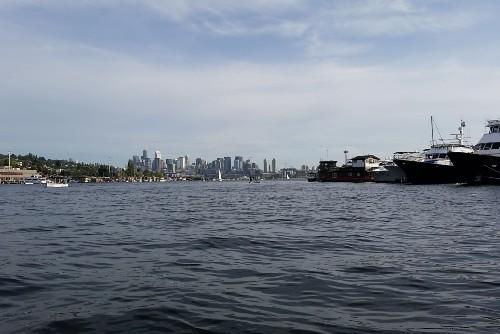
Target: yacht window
[(495, 146), (435, 156), (479, 147), (487, 146), (442, 156), (428, 156)]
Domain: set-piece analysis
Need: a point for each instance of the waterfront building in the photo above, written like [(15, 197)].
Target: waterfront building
[(16, 174), (273, 165), (265, 165)]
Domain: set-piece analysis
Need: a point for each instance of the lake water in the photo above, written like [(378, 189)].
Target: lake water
[(234, 257)]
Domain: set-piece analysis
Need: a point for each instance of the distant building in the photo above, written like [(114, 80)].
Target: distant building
[(181, 163), (273, 165), (16, 174), (238, 163), (227, 164), (145, 161), (157, 162), (170, 165), (219, 164), (265, 165), (137, 161)]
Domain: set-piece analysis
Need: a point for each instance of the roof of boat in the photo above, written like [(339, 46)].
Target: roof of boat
[(364, 157)]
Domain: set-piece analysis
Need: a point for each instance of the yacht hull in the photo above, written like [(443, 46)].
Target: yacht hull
[(391, 174), (477, 168), (419, 172)]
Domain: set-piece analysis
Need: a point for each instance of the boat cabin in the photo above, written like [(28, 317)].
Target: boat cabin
[(489, 144), (365, 161)]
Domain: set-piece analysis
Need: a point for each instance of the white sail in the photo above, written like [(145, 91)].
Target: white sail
[(220, 176)]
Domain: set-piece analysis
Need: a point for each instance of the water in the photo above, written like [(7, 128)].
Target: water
[(274, 257)]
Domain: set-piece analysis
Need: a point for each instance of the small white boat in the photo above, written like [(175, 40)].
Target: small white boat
[(56, 185), (220, 176)]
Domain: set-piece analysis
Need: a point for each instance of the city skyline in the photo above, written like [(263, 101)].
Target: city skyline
[(198, 165), (96, 80)]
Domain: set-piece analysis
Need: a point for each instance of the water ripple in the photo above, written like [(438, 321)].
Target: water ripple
[(274, 257)]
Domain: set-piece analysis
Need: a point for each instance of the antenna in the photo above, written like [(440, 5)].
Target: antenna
[(345, 156), (432, 131)]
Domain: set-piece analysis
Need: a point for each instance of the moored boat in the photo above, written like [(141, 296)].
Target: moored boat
[(436, 166), (388, 172), (354, 170), (483, 165)]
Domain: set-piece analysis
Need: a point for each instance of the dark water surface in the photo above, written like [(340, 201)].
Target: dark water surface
[(274, 257)]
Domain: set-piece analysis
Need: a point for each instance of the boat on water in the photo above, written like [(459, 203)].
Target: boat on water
[(388, 172), (436, 167), (56, 184), (354, 170), (482, 166), (312, 177)]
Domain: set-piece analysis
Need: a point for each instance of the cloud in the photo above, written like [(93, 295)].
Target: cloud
[(101, 99), (100, 102)]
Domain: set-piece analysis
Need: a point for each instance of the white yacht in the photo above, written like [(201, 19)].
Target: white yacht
[(436, 166), (483, 165)]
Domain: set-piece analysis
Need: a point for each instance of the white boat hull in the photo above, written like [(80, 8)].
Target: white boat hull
[(56, 185)]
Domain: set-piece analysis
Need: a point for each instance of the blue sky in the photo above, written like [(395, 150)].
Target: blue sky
[(99, 80)]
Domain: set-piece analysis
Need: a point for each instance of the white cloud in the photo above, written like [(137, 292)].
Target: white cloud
[(105, 101)]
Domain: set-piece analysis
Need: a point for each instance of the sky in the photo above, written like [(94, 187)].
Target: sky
[(300, 81)]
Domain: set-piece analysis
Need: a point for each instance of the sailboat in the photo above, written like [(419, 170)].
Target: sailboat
[(220, 176), (287, 177)]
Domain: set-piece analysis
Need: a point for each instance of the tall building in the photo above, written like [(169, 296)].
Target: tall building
[(157, 162), (181, 163), (219, 164), (170, 164), (227, 164), (137, 161), (145, 161), (238, 162), (265, 165), (273, 165)]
